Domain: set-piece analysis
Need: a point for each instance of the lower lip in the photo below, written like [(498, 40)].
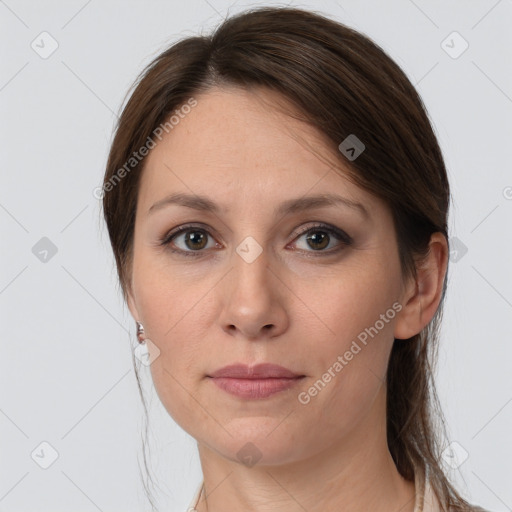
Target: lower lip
[(254, 388)]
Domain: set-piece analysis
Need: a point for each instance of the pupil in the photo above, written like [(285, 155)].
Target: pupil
[(195, 237), (315, 239)]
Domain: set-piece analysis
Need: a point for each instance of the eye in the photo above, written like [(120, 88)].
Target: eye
[(320, 236), (193, 240)]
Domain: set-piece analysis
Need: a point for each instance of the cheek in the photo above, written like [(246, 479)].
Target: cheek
[(351, 375), (352, 302), (167, 310), (178, 364), (169, 314), (163, 297), (360, 316)]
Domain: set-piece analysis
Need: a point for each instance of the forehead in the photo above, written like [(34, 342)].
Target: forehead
[(239, 128), (239, 146)]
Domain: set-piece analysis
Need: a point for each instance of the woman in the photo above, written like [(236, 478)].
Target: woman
[(277, 205)]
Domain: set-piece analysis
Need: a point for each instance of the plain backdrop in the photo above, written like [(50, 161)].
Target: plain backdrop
[(68, 396)]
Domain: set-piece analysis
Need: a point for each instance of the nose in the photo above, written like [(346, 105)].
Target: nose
[(253, 300)]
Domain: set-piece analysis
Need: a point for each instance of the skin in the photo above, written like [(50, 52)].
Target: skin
[(295, 305)]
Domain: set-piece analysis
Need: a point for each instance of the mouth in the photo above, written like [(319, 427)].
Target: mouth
[(255, 382)]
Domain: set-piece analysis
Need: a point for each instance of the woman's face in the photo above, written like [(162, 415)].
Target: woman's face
[(261, 281)]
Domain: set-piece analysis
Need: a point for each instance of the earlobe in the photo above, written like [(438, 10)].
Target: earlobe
[(423, 295)]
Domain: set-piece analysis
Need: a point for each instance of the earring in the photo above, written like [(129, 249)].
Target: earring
[(140, 333)]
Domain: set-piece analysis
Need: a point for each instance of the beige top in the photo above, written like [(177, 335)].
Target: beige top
[(426, 500)]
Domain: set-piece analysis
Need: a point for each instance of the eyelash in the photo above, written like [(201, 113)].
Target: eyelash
[(346, 240)]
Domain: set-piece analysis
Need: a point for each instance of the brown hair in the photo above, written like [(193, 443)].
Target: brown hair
[(342, 83)]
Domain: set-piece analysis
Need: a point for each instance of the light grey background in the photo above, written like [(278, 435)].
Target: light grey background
[(66, 371)]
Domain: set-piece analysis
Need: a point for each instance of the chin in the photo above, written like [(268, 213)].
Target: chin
[(257, 447)]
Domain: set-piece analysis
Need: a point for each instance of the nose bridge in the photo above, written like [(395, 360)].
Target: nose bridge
[(251, 304), (250, 263)]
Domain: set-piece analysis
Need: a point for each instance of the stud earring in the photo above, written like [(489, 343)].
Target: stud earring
[(140, 333)]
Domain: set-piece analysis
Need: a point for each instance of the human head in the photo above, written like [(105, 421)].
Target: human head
[(338, 82)]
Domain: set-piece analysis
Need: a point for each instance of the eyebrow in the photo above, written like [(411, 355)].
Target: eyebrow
[(203, 203)]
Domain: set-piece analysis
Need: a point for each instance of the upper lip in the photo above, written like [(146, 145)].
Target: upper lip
[(259, 371)]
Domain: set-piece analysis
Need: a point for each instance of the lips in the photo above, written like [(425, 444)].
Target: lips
[(259, 371), (255, 382)]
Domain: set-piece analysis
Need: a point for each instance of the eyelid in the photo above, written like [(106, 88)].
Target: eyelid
[(185, 227), (340, 234)]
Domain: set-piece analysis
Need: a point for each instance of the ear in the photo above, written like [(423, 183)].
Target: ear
[(422, 295)]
